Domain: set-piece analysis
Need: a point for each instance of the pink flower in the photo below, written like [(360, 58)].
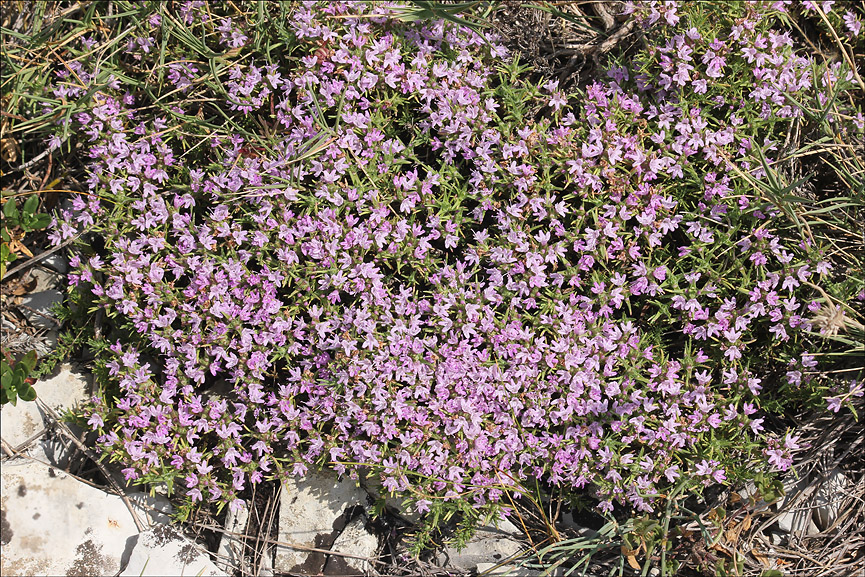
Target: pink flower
[(95, 421), (422, 505), (779, 459), (558, 100), (672, 473)]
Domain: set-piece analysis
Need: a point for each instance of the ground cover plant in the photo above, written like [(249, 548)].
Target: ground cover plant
[(336, 234)]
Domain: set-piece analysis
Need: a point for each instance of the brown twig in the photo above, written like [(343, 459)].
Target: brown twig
[(40, 256), (43, 315)]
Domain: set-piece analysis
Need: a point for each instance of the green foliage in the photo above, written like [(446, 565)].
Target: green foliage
[(16, 380), (7, 256), (452, 12), (459, 515), (27, 218), (16, 224), (573, 555)]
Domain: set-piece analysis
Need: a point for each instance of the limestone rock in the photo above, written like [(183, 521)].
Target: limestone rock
[(53, 449), (798, 521), (231, 546), (489, 545), (569, 520), (831, 498), (63, 391), (56, 262), (38, 311), (54, 524), (495, 570), (46, 278), (354, 540), (265, 563), (164, 551), (796, 507), (312, 514), (152, 510)]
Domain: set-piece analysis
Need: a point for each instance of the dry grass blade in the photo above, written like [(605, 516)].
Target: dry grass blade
[(838, 550)]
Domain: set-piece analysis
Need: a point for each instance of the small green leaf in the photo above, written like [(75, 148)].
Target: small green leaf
[(29, 360), (40, 221), (28, 394), (771, 573), (19, 373), (10, 211), (31, 205)]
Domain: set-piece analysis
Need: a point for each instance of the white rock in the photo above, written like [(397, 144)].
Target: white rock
[(56, 262), (489, 545), (750, 489), (831, 498), (54, 524), (792, 487), (53, 449), (152, 510), (46, 279), (798, 521), (39, 306), (311, 515), (231, 547), (24, 420), (796, 507), (354, 540), (567, 519), (164, 551), (47, 342), (494, 570)]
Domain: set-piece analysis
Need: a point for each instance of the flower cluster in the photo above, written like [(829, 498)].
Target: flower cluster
[(419, 278)]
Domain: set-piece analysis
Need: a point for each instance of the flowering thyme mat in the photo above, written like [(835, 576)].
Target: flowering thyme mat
[(332, 234)]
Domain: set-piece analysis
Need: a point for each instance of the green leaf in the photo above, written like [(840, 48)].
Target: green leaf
[(27, 394), (771, 573), (31, 205), (7, 384), (40, 221), (6, 256), (29, 360), (19, 373), (10, 211)]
